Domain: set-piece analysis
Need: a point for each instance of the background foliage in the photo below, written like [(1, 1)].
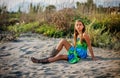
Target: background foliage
[(102, 24)]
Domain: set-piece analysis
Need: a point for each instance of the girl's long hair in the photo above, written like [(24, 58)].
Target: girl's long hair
[(76, 33)]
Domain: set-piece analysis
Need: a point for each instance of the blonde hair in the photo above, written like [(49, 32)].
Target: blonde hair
[(76, 33)]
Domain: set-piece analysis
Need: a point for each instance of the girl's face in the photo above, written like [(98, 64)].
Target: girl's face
[(79, 26)]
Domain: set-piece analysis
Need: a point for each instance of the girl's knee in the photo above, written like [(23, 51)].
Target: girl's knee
[(63, 40)]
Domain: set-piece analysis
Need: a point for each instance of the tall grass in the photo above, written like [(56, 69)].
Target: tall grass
[(22, 28), (49, 30), (97, 37), (104, 32)]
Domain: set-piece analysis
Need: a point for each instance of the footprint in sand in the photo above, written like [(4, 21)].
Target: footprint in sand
[(2, 48), (12, 48), (75, 72), (24, 49), (17, 73), (7, 76), (29, 52), (4, 54)]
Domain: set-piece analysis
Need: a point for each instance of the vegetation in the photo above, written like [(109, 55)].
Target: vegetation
[(102, 24), (49, 31)]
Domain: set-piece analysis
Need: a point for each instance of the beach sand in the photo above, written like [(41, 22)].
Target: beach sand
[(15, 61)]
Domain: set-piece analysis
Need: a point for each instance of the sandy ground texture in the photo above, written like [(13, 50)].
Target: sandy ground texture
[(15, 61)]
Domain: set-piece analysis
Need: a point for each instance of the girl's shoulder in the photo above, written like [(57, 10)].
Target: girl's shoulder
[(85, 35)]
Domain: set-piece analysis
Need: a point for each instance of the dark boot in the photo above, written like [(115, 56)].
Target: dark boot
[(43, 61), (54, 52)]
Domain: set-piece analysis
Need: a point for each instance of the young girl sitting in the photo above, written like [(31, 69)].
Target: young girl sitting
[(76, 52)]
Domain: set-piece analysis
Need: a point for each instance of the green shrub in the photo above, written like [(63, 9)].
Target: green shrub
[(85, 20), (49, 30), (22, 28), (110, 34), (97, 37), (111, 22)]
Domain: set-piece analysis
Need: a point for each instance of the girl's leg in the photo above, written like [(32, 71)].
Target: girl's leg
[(59, 57), (62, 43), (48, 60)]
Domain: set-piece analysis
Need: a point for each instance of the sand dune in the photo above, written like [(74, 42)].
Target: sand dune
[(15, 61)]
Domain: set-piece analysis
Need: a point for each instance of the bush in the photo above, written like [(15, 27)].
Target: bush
[(22, 28), (62, 19), (104, 31), (97, 37), (85, 20), (110, 33), (49, 30), (112, 23)]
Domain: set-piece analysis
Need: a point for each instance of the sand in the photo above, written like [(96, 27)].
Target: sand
[(15, 60)]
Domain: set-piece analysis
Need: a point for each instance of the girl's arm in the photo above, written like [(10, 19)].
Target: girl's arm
[(87, 39)]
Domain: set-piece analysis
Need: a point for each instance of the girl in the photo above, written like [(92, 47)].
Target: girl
[(76, 52)]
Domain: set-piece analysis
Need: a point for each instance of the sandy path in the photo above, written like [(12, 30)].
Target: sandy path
[(15, 61)]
